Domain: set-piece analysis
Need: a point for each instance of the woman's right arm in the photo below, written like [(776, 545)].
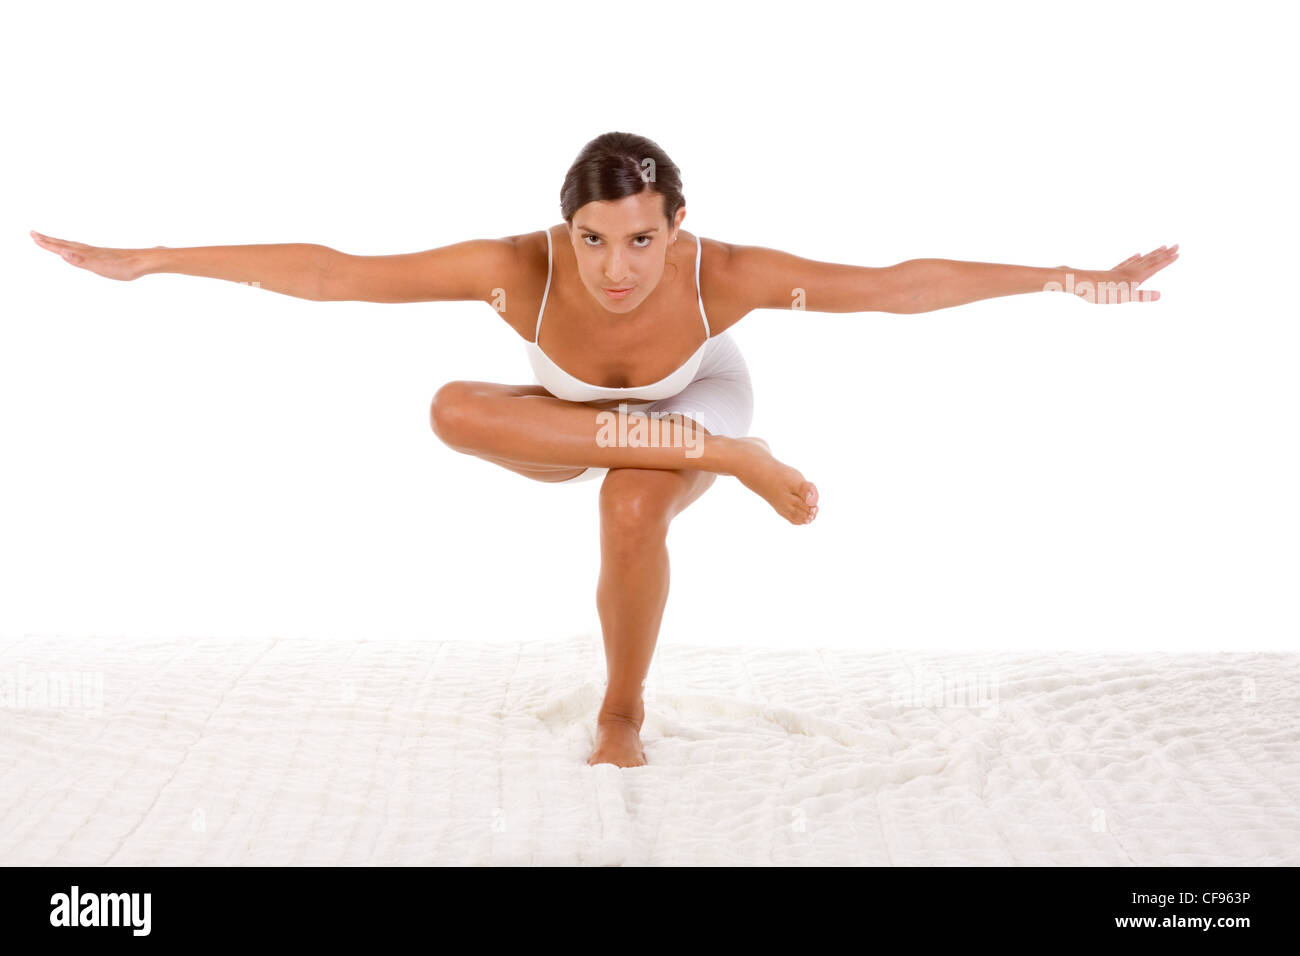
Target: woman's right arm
[(477, 269), (463, 271)]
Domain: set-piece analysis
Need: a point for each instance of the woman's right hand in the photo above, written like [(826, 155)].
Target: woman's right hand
[(124, 264)]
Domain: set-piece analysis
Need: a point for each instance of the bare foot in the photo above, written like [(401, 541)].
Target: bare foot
[(618, 737), (783, 487)]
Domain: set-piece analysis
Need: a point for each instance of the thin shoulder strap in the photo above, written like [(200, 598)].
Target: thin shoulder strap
[(699, 247), (545, 292)]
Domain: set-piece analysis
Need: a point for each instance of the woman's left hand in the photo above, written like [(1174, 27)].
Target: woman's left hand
[(1120, 284)]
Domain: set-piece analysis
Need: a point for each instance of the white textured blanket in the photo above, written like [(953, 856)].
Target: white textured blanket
[(377, 752)]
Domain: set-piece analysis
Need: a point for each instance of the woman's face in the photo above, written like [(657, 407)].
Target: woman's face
[(622, 245)]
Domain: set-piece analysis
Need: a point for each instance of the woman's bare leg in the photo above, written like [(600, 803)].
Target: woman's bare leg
[(548, 473), (526, 426), (636, 507), (637, 504)]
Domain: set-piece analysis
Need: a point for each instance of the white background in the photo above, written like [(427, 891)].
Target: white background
[(192, 457)]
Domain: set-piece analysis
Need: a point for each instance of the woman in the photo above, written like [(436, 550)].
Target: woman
[(638, 313)]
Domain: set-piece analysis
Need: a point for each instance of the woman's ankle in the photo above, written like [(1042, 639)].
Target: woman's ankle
[(626, 708)]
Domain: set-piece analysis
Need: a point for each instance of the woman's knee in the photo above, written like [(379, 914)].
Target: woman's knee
[(451, 413), (638, 504)]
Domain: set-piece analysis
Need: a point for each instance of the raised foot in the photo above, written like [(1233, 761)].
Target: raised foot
[(781, 486)]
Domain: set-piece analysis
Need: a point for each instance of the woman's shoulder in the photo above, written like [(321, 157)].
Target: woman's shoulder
[(721, 283), (519, 289), (716, 259)]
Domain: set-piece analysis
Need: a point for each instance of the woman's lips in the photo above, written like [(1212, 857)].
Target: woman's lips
[(617, 293)]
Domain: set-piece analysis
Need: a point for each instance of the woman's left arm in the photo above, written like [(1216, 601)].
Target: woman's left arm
[(769, 279)]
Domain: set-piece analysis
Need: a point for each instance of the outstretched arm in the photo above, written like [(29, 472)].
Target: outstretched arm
[(296, 268), (460, 272), (769, 279)]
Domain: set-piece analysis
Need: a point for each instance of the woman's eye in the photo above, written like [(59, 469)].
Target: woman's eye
[(648, 240)]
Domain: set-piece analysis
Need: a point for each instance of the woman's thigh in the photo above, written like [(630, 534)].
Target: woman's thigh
[(548, 473), (674, 493)]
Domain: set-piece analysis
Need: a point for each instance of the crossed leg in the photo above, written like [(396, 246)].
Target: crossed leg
[(526, 426), (529, 431), (534, 470)]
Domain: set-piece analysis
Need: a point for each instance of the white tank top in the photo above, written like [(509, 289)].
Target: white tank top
[(563, 385)]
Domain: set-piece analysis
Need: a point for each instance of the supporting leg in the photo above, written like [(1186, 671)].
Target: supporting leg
[(636, 508)]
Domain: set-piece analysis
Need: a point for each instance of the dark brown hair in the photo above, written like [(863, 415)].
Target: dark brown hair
[(615, 165)]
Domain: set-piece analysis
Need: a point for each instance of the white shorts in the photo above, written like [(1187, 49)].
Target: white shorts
[(720, 397)]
